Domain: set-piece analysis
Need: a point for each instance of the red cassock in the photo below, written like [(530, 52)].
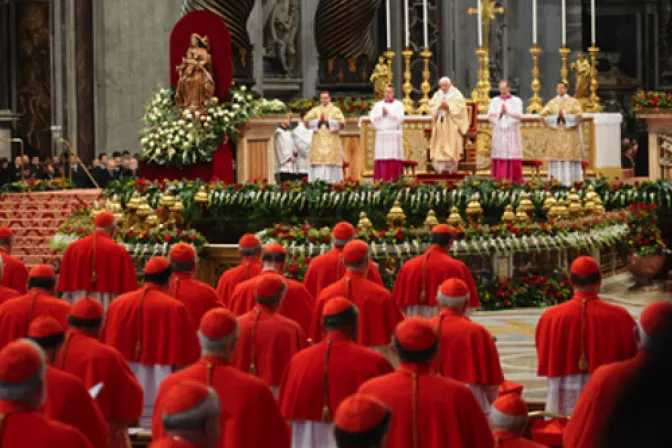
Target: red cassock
[(327, 269), (598, 398), (26, 428), (508, 439), (349, 365), (16, 314), (150, 327), (255, 420), (68, 401), (378, 314), (249, 268), (447, 412), (420, 277), (608, 336), (15, 274), (115, 271), (171, 442), (7, 293), (297, 305), (268, 341), (196, 296)]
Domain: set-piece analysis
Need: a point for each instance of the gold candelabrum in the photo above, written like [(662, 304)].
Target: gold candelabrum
[(389, 55), (425, 87), (594, 104), (536, 103), (481, 94), (409, 104), (564, 73)]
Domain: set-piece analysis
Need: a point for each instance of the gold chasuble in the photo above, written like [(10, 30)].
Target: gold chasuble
[(448, 129), (563, 134), (325, 148)]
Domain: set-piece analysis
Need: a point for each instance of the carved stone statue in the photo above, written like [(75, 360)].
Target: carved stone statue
[(381, 77), (281, 24), (195, 85), (582, 68)]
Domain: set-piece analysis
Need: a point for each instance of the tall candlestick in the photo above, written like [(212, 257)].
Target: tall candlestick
[(480, 23), (564, 22), (407, 13), (425, 21), (534, 22), (389, 27), (592, 21)]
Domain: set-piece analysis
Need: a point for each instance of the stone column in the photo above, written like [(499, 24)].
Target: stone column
[(7, 119), (84, 62), (308, 49), (255, 29), (398, 33)]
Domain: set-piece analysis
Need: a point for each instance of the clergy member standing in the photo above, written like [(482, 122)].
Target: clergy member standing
[(508, 420), (5, 292), (387, 118), (467, 351), (267, 340), (603, 391), (420, 277), (427, 410), (326, 152), (15, 274), (562, 116), (153, 332), (68, 400), (303, 138), (576, 337), (197, 297), (102, 367), (286, 167), (505, 114), (450, 123), (328, 268), (250, 416), (319, 378), (362, 421), (96, 266), (249, 249)]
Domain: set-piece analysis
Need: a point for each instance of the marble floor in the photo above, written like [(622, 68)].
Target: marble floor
[(515, 329)]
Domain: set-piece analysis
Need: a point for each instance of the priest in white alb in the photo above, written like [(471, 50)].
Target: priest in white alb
[(326, 152), (387, 117), (286, 167), (450, 123), (505, 114), (303, 137)]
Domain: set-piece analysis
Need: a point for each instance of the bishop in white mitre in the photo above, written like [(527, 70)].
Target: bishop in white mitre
[(505, 114), (387, 117), (450, 123)]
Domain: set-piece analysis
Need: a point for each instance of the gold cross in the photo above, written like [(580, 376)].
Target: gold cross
[(489, 9)]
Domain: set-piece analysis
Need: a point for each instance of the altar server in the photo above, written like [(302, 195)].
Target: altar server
[(326, 151), (197, 297), (297, 304), (22, 394), (427, 410), (103, 369), (68, 400), (387, 118), (505, 114), (286, 167), (562, 116), (379, 315), (14, 274), (420, 277), (319, 378), (362, 421), (268, 340), (249, 249), (450, 123), (5, 292), (328, 268), (576, 337), (153, 332), (508, 420), (303, 138), (603, 391), (467, 351), (96, 266), (16, 314), (250, 416)]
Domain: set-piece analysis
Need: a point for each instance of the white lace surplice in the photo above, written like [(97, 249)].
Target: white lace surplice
[(389, 143), (563, 393), (506, 137)]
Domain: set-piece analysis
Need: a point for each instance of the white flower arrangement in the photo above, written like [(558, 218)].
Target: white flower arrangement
[(262, 107)]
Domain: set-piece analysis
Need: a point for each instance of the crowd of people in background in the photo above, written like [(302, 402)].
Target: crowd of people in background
[(103, 169)]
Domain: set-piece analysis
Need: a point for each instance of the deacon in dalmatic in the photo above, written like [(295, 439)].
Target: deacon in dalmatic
[(562, 116), (326, 151), (387, 117), (505, 114), (450, 122)]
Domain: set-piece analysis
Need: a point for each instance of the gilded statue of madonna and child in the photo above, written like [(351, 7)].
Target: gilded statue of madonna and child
[(196, 85)]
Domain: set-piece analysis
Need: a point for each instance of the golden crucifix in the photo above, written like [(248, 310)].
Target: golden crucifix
[(489, 9)]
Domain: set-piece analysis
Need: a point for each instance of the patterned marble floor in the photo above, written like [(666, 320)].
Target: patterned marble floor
[(515, 329)]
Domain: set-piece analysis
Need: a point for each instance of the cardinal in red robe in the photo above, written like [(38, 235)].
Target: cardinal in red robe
[(298, 303), (467, 351), (575, 338), (22, 394), (427, 410), (254, 420), (249, 249), (319, 378), (5, 292), (101, 366), (197, 297), (328, 268), (68, 400), (16, 314), (14, 275), (378, 314), (509, 420), (420, 277), (603, 391), (96, 266), (268, 340), (153, 332), (362, 420)]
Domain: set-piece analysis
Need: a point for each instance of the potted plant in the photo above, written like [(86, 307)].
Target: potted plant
[(646, 249)]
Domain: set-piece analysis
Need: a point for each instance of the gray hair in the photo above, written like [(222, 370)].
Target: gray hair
[(450, 302), (444, 79), (194, 418), (340, 243), (217, 345), (514, 423)]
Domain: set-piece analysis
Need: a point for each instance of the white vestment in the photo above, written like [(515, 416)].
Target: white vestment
[(150, 378), (563, 392), (302, 137), (389, 136), (448, 130), (327, 173), (565, 171), (506, 139), (308, 434), (105, 298), (284, 151)]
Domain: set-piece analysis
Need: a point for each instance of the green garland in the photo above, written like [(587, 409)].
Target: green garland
[(33, 185)]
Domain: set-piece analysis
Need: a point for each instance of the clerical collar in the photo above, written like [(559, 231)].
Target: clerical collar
[(563, 96), (389, 101), (507, 97), (283, 127)]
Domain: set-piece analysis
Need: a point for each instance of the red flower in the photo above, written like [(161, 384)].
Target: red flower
[(292, 269), (80, 230), (506, 302), (168, 238)]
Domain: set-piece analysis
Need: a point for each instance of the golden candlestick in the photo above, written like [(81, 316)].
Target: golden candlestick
[(564, 73), (536, 103), (425, 87), (594, 105), (484, 105), (409, 104), (480, 95), (389, 55)]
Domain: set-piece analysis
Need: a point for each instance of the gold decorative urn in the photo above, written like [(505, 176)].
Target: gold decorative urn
[(396, 216), (454, 219), (364, 223), (509, 217), (474, 211), (430, 220)]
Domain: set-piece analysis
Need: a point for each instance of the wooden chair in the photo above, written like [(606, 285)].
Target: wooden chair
[(468, 161)]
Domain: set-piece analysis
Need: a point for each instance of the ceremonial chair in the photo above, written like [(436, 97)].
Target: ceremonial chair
[(468, 161)]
